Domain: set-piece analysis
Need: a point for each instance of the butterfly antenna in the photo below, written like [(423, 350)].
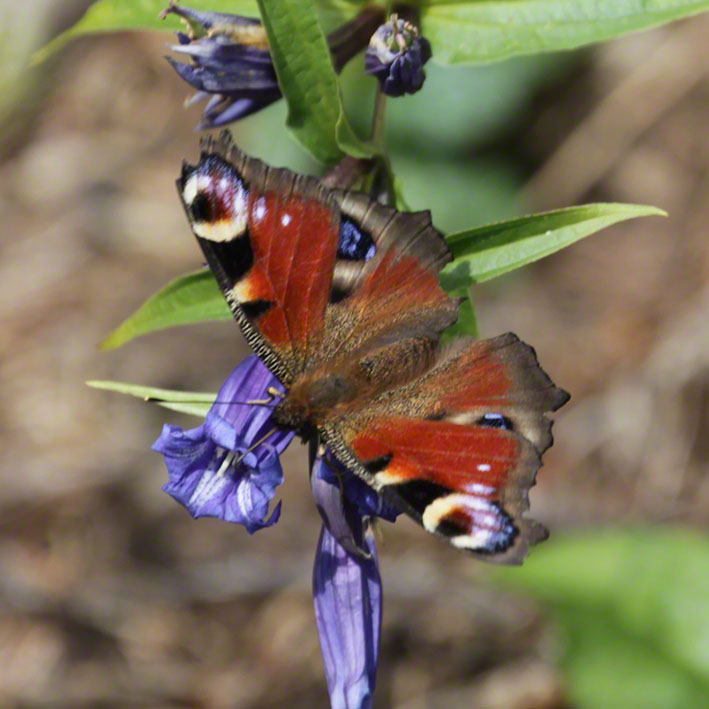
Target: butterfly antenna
[(273, 393), (254, 446)]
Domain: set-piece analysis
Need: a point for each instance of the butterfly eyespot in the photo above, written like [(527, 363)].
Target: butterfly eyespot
[(496, 421), (216, 200), (472, 523), (355, 243), (200, 209)]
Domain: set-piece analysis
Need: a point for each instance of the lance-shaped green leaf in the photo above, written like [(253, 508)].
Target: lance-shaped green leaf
[(491, 250), (631, 608), (189, 299), (308, 81), (492, 30), (187, 402)]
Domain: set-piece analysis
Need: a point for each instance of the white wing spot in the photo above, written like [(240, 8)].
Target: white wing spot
[(260, 208)]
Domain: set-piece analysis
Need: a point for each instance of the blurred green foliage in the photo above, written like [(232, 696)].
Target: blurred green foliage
[(632, 612)]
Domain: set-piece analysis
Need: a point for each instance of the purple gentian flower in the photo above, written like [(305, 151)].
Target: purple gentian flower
[(212, 474), (204, 466), (347, 591), (231, 63), (396, 55)]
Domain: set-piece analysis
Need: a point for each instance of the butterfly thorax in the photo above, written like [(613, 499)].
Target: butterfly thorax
[(310, 398), (319, 397)]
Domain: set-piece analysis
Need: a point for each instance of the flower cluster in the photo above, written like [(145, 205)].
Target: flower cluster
[(231, 65), (229, 468)]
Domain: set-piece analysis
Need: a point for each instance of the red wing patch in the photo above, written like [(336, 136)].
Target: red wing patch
[(294, 245), (458, 481)]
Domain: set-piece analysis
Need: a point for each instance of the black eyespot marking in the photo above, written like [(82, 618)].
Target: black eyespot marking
[(376, 465), (201, 209), (355, 243), (235, 257), (420, 493), (254, 309), (496, 421), (450, 527), (338, 294)]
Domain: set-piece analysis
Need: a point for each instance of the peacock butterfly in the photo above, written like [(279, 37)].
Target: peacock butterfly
[(339, 296)]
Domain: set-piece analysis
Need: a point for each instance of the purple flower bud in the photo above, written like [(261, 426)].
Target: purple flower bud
[(207, 473), (231, 61), (347, 592), (396, 55)]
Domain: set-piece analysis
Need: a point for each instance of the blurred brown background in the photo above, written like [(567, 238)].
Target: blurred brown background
[(110, 593)]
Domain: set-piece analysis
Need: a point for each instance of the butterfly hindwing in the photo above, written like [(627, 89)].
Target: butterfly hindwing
[(459, 447)]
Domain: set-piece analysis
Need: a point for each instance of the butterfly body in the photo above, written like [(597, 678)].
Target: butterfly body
[(339, 296)]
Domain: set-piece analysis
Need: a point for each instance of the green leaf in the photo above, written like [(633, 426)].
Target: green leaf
[(492, 30), (491, 250), (632, 609), (308, 81), (467, 323), (186, 402), (189, 299)]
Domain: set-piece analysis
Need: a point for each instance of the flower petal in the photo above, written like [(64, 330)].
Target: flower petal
[(212, 471), (231, 59), (368, 501), (330, 502), (208, 20), (348, 605)]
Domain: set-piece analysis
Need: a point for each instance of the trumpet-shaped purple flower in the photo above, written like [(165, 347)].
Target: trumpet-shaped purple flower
[(231, 63), (396, 55), (347, 592), (229, 468), (207, 472)]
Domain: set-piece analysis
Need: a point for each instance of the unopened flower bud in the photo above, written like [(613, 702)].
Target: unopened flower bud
[(396, 55), (231, 65)]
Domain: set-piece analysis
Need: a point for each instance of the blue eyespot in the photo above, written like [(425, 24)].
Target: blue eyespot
[(496, 421), (355, 244)]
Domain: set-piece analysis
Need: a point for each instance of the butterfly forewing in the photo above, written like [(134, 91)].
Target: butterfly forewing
[(257, 227)]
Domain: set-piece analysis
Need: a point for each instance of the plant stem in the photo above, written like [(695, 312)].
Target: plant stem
[(377, 138)]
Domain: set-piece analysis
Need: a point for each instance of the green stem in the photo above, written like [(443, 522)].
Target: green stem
[(377, 138)]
